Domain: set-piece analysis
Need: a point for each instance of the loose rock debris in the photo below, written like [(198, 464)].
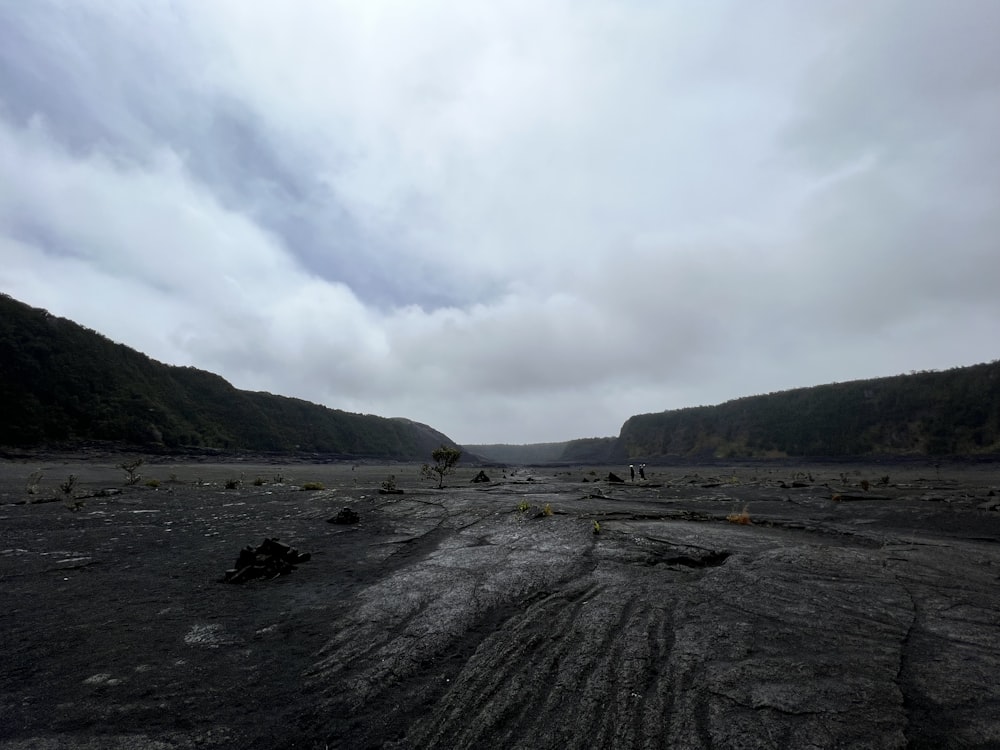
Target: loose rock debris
[(345, 516), (270, 560)]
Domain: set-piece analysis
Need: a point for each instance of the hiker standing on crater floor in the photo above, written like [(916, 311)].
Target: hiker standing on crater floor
[(631, 470)]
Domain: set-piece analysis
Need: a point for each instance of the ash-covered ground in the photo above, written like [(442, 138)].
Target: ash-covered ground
[(547, 608)]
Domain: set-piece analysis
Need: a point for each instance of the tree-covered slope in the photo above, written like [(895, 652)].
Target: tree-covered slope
[(928, 413), (61, 382), (581, 451)]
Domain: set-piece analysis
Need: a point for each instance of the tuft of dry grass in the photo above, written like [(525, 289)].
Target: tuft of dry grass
[(742, 518)]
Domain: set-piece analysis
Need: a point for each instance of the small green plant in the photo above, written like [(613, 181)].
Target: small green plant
[(597, 527), (547, 510), (33, 481), (312, 485), (258, 482), (154, 483), (232, 484), (131, 469), (524, 506)]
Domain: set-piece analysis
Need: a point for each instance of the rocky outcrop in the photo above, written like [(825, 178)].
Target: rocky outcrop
[(270, 559), (345, 516)]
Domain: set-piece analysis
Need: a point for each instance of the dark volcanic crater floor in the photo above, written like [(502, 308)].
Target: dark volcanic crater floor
[(471, 617)]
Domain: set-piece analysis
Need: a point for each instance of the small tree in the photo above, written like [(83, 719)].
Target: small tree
[(131, 469), (445, 459)]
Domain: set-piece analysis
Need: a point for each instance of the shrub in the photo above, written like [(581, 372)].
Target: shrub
[(232, 484), (389, 485), (258, 482), (742, 518), (33, 481), (131, 469), (547, 510), (68, 486), (312, 485), (524, 506), (154, 483)]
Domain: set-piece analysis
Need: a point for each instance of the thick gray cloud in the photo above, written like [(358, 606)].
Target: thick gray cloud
[(515, 222)]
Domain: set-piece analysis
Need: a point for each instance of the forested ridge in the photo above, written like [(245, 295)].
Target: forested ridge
[(952, 412), (62, 383)]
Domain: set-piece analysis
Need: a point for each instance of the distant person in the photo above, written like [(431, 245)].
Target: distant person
[(642, 471), (631, 470)]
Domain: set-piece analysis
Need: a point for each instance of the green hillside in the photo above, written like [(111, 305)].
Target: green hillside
[(955, 412), (63, 383)]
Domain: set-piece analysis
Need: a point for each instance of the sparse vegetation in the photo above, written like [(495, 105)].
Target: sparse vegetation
[(131, 469), (31, 487), (259, 481), (154, 483), (232, 484), (69, 485), (445, 459), (524, 506), (389, 485), (547, 510), (742, 517), (597, 527), (311, 486)]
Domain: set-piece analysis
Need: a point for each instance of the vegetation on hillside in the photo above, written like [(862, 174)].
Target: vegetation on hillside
[(955, 412), (63, 383)]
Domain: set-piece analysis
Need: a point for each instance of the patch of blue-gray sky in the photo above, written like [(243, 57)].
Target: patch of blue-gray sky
[(128, 86)]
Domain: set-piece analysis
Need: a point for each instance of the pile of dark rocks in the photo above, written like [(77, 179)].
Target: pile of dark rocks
[(345, 516), (270, 559)]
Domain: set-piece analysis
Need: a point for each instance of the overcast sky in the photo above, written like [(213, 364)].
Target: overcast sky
[(515, 221)]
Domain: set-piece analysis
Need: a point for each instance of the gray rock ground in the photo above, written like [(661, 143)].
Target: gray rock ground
[(499, 615)]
